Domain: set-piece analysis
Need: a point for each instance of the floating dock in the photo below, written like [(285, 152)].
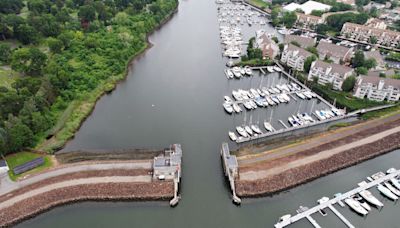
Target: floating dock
[(230, 166), (329, 204)]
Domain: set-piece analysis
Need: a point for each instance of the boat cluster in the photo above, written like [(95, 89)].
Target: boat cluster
[(262, 97), (246, 131), (328, 113), (231, 38), (235, 14), (390, 189), (300, 119)]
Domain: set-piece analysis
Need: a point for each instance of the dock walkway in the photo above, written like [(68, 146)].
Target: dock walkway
[(307, 214)]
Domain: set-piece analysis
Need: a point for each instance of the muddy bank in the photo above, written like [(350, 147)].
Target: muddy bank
[(33, 206), (303, 174)]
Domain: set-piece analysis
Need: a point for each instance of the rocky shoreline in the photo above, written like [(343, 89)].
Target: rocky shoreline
[(118, 191), (306, 173), (33, 206)]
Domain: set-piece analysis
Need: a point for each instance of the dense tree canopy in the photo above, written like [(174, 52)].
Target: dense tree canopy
[(74, 47)]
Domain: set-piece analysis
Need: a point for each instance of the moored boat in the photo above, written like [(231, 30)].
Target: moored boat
[(356, 206), (232, 136), (386, 192), (228, 107)]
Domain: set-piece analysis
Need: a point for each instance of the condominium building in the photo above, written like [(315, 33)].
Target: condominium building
[(362, 33), (338, 54), (308, 21), (268, 47), (331, 73), (294, 57), (377, 88)]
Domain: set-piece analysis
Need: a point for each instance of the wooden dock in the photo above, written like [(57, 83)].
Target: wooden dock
[(307, 214)]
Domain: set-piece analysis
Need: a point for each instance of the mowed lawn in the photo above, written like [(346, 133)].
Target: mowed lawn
[(20, 158)]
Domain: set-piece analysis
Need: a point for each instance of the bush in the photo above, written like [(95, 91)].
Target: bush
[(349, 83)]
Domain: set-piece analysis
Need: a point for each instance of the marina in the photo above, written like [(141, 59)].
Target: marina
[(347, 197), (121, 121)]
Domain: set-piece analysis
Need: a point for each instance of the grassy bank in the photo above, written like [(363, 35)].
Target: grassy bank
[(259, 3), (14, 160)]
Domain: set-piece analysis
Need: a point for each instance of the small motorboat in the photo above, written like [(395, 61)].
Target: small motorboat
[(242, 71), (227, 99), (228, 73), (248, 70), (270, 69), (395, 183), (367, 195), (386, 192), (301, 95), (391, 188), (356, 206), (277, 69), (228, 107), (232, 136), (363, 203), (237, 108)]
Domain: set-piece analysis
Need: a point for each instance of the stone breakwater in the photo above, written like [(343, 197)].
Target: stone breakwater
[(299, 175), (39, 203)]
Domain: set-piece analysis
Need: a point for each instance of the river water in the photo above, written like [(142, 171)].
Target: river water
[(173, 94)]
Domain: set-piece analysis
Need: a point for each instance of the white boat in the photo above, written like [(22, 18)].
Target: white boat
[(320, 115), (307, 94), (242, 131), (363, 203), (227, 99), (236, 72), (392, 189), (292, 122), (386, 192), (367, 195), (248, 130), (228, 73), (232, 136), (337, 111), (270, 101), (259, 91), (395, 182), (242, 71), (256, 129), (275, 99), (285, 218), (237, 95), (237, 108), (228, 108), (277, 69), (248, 70), (301, 95), (268, 126), (270, 69), (356, 206)]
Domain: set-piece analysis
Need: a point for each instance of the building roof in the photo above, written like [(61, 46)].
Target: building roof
[(335, 68), (374, 55), (307, 7), (303, 41), (301, 51), (371, 29), (332, 49), (376, 73)]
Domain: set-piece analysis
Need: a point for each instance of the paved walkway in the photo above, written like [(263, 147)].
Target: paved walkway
[(254, 175), (247, 160), (7, 185), (75, 182)]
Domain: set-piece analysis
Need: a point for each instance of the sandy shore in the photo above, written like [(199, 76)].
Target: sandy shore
[(278, 173)]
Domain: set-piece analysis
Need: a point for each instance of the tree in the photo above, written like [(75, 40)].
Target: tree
[(358, 59), (373, 40), (308, 62), (289, 18), (46, 24), (5, 53), (11, 6), (317, 13), (87, 13), (29, 61), (369, 63), (313, 50), (3, 141), (19, 135), (55, 45), (348, 84), (26, 34), (361, 71), (38, 6)]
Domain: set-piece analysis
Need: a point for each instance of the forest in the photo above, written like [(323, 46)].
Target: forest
[(63, 51)]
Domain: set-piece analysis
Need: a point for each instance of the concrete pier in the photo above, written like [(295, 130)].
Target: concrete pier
[(341, 217), (230, 166)]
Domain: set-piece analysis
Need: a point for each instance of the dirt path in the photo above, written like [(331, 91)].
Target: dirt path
[(254, 175), (247, 160), (75, 182)]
